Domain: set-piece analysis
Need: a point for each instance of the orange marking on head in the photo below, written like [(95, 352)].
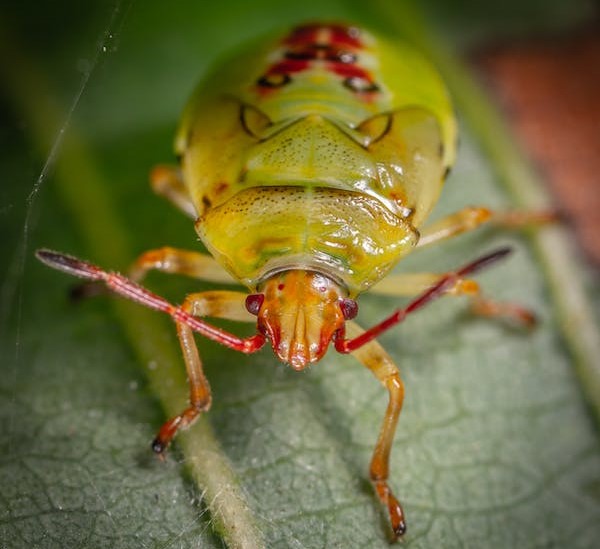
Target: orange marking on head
[(300, 314)]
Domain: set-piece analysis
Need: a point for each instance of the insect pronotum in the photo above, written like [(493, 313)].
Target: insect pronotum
[(310, 163)]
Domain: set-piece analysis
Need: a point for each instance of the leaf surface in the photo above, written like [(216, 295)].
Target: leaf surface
[(495, 446)]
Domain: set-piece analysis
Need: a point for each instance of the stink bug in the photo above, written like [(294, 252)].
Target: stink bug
[(309, 164)]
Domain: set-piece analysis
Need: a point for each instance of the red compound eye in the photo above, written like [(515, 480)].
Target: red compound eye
[(253, 303), (349, 308)]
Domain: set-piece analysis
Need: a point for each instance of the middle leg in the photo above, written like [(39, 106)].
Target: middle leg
[(472, 217), (411, 284)]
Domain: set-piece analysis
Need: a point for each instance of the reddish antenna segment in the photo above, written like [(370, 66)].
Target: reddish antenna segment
[(129, 289), (445, 283)]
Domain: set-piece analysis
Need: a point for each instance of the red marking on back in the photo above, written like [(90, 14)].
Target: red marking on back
[(332, 48), (288, 66), (348, 70), (347, 36), (340, 35), (305, 34)]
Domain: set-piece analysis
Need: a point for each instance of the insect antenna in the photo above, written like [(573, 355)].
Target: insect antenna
[(127, 288), (437, 290)]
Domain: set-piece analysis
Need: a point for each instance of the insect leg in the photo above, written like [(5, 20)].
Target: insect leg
[(221, 304), (167, 181), (373, 356), (472, 217), (184, 262), (411, 284)]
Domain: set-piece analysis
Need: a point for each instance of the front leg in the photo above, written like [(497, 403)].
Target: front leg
[(373, 356), (218, 304)]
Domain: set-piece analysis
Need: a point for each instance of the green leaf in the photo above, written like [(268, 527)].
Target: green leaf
[(495, 445)]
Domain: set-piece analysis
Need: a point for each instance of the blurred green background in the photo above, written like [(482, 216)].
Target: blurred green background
[(496, 446)]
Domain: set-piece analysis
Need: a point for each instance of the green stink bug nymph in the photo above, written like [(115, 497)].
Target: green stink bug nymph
[(310, 163)]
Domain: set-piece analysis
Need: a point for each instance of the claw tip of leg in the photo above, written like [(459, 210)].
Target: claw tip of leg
[(399, 530), (158, 447)]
